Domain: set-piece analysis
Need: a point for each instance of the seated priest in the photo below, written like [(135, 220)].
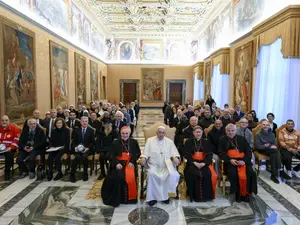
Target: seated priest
[(226, 119), (83, 140), (9, 138), (120, 186), (207, 120), (188, 131), (103, 144), (265, 144), (290, 147), (60, 139), (236, 153), (32, 143), (201, 178), (160, 158)]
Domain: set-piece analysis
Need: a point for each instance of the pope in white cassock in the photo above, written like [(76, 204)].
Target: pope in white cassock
[(160, 157)]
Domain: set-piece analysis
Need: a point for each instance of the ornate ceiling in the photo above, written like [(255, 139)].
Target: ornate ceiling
[(152, 17)]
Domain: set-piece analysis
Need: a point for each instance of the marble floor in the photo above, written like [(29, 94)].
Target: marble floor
[(61, 202)]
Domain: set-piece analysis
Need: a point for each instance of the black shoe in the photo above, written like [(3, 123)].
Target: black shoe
[(85, 177), (7, 177), (274, 179), (152, 203), (31, 175), (166, 201), (284, 175), (58, 176), (72, 178), (50, 176), (102, 176), (23, 175)]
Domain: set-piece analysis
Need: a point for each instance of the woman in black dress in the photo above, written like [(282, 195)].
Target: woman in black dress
[(60, 136), (120, 186)]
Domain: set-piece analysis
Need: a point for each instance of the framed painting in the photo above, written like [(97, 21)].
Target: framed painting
[(152, 84), (59, 68), (94, 81), (80, 79), (152, 50), (103, 86), (207, 78), (243, 61), (18, 92), (126, 51)]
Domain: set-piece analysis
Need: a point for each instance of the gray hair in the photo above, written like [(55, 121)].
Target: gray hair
[(84, 118), (231, 126), (31, 120), (243, 119)]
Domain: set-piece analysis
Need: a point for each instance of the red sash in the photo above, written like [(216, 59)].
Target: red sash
[(236, 154), (129, 176), (214, 177)]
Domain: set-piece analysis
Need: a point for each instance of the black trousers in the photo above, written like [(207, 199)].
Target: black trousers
[(80, 157), (56, 156), (132, 129), (9, 160), (275, 160), (103, 161), (287, 159), (31, 160)]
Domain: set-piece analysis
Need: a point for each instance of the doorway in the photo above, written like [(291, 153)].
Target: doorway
[(129, 90), (103, 92), (176, 91)]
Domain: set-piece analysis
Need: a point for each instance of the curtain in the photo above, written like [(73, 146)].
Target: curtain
[(219, 87), (198, 88), (277, 85)]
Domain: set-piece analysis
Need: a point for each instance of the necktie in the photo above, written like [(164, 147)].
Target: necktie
[(31, 135), (72, 123), (50, 126), (83, 133)]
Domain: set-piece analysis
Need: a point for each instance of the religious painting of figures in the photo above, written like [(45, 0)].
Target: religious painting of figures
[(126, 51), (153, 84), (19, 71), (243, 76), (246, 13), (208, 75), (80, 79), (86, 30), (152, 50), (76, 22), (59, 64), (94, 81), (53, 12)]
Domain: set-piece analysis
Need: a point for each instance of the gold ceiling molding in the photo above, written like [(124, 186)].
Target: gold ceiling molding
[(286, 25), (199, 69), (222, 57)]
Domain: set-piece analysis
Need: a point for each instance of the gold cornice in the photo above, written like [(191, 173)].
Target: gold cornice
[(292, 11), (221, 51)]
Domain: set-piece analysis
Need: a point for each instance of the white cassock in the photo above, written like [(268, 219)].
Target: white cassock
[(162, 177)]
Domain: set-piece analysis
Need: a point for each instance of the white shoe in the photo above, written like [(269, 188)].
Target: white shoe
[(296, 174), (289, 172)]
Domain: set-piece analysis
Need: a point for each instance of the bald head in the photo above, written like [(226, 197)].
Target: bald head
[(5, 121), (36, 114)]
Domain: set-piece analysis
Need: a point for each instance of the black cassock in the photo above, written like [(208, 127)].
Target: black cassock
[(115, 190), (240, 143), (199, 182)]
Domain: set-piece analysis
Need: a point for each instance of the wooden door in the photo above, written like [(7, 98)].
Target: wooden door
[(175, 92), (129, 92)]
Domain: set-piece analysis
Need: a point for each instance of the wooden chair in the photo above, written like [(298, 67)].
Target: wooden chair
[(207, 130), (150, 132), (66, 157), (277, 134), (258, 156)]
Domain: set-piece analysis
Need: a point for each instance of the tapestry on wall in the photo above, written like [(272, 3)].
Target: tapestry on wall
[(243, 76), (152, 85), (59, 64), (19, 71), (94, 81), (80, 79), (208, 75)]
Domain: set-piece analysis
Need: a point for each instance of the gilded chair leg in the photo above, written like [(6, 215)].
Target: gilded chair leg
[(142, 183), (223, 185)]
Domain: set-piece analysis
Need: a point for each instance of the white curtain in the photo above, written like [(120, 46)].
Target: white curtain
[(219, 87), (277, 85), (198, 88)]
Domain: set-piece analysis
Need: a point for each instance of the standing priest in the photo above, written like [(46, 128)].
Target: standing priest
[(160, 158)]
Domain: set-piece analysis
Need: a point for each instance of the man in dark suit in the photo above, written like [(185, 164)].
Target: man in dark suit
[(49, 123), (73, 122), (32, 143), (137, 109), (117, 124), (83, 136), (238, 114), (96, 124), (36, 115)]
